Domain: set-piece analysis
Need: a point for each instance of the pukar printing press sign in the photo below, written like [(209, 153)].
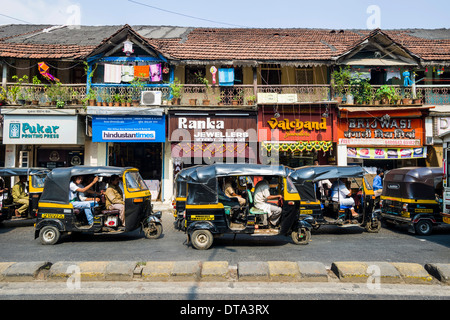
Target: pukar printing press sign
[(128, 129), (25, 129)]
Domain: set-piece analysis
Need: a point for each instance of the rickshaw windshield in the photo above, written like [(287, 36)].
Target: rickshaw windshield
[(37, 181), (134, 182)]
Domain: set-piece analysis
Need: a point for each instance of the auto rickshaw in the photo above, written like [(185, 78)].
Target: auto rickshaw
[(324, 210), (411, 196), (56, 214), (205, 211), (35, 184)]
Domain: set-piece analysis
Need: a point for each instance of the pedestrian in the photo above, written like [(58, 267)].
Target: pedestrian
[(378, 183)]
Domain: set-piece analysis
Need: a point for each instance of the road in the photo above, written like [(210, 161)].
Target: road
[(328, 244)]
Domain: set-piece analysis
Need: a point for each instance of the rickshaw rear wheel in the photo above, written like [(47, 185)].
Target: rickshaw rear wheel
[(49, 235), (202, 239), (153, 231), (302, 236), (423, 227)]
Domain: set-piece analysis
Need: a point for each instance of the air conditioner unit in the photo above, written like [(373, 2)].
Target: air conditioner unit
[(151, 98)]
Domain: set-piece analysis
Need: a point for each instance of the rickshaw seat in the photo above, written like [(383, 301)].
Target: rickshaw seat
[(110, 212), (342, 207), (255, 210)]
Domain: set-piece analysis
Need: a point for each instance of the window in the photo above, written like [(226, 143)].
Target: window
[(191, 72), (270, 74), (134, 182), (304, 75)]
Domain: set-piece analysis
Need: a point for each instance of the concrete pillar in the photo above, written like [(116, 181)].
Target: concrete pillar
[(95, 153), (167, 176), (342, 155)]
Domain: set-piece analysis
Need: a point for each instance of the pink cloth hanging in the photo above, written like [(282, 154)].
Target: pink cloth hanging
[(155, 72)]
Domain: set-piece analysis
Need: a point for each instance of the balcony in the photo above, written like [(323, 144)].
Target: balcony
[(194, 95)]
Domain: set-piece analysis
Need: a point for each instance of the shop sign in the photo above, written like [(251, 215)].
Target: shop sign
[(23, 129), (386, 153), (128, 129), (382, 131), (212, 127)]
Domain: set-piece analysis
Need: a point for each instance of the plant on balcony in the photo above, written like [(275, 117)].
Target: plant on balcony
[(137, 85), (418, 99), (16, 90), (406, 98), (176, 90), (251, 100), (340, 80), (90, 97), (3, 96), (35, 91), (361, 90), (205, 82), (385, 94), (117, 99)]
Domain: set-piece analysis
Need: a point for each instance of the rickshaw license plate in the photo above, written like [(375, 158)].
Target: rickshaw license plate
[(446, 220), (306, 212), (202, 217)]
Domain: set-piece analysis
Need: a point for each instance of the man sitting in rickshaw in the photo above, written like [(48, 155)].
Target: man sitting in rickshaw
[(230, 192), (262, 195), (341, 194), (114, 198), (74, 197), (20, 197)]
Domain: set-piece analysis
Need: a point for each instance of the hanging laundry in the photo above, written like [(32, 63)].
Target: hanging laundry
[(142, 71), (407, 81), (113, 73), (127, 73), (226, 76), (155, 72), (393, 73)]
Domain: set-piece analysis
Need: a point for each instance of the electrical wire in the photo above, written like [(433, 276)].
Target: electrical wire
[(185, 15), (20, 20)]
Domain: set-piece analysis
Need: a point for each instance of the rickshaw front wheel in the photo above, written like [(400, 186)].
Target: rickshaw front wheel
[(153, 231), (202, 239), (302, 236), (49, 235)]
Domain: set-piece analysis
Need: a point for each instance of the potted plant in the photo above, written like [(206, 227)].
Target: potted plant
[(91, 97), (219, 100), (117, 99), (192, 102), (251, 100), (340, 80), (15, 91), (396, 99), (137, 86), (3, 96), (385, 94), (175, 91), (418, 99), (407, 98), (205, 82)]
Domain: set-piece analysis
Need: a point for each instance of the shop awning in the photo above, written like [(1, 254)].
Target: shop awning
[(121, 111)]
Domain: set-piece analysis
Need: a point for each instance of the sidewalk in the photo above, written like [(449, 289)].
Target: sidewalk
[(222, 271)]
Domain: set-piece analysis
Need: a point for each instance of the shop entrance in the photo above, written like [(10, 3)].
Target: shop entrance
[(147, 157)]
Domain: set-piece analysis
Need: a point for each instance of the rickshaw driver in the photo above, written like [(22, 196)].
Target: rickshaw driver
[(262, 195), (340, 193), (20, 197), (114, 198), (75, 188)]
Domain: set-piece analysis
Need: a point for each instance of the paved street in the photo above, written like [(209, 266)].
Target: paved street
[(328, 244)]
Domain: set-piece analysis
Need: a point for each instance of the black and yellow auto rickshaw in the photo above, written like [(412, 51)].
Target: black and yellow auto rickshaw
[(328, 210), (35, 184), (57, 215), (205, 211), (411, 196)]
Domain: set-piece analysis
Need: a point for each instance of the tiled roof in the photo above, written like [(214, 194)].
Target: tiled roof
[(217, 44)]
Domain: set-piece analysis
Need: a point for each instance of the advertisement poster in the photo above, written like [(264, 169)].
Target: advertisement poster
[(387, 153)]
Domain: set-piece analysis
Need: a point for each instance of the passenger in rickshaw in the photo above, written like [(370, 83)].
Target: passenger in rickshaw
[(341, 194), (114, 198), (76, 188), (262, 195), (90, 195), (230, 192), (378, 183), (20, 197)]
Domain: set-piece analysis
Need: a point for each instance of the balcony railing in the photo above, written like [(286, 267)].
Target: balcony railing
[(44, 95)]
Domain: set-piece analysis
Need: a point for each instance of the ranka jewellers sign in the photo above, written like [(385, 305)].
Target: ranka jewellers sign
[(212, 127), (42, 129)]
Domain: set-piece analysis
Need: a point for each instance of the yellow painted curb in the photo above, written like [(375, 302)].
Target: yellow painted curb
[(283, 271)]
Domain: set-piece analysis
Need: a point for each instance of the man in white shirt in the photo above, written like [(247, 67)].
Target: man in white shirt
[(340, 193), (75, 189), (262, 194)]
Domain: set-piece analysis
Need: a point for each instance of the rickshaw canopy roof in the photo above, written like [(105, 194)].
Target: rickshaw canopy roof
[(56, 187), (317, 173), (414, 174), (11, 172), (202, 174)]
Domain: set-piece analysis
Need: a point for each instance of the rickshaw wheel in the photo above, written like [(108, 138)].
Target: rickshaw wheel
[(202, 239), (49, 235), (153, 231), (423, 227), (302, 236)]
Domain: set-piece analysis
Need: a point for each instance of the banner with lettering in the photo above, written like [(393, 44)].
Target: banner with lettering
[(387, 153)]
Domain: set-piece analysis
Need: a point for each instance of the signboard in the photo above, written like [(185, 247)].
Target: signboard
[(42, 129), (128, 129), (381, 131), (387, 153), (295, 124), (213, 127)]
